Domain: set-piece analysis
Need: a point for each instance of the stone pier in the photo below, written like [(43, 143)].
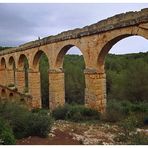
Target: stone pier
[(56, 88), (34, 87), (95, 91)]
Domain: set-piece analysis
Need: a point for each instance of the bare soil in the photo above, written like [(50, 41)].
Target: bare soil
[(60, 138)]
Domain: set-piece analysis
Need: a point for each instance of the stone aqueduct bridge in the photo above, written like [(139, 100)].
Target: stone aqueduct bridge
[(94, 42)]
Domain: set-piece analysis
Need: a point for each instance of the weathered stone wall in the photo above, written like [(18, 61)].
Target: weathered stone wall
[(10, 75), (3, 77), (14, 96), (20, 80)]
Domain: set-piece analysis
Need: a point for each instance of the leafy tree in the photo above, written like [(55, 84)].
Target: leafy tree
[(74, 78), (136, 81)]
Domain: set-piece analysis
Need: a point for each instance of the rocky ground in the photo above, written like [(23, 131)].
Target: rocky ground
[(70, 133)]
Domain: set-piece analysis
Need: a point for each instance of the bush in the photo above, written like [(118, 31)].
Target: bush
[(75, 113), (25, 123), (119, 110), (17, 117), (6, 134), (39, 125), (140, 107), (60, 112)]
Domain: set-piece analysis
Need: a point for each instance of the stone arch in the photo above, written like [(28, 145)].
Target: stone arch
[(11, 61), (3, 93), (62, 52), (21, 59), (3, 63), (36, 58), (106, 48)]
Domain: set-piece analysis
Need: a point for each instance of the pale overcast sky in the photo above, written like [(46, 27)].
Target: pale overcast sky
[(21, 23)]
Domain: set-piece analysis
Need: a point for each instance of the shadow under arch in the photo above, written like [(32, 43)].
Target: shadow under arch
[(11, 96), (74, 78), (37, 57), (3, 63), (23, 64), (41, 63), (21, 61), (11, 60)]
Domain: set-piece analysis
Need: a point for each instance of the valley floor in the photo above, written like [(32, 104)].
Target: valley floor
[(70, 133)]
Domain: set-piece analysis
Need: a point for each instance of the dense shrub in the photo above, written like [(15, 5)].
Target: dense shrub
[(75, 113), (39, 125), (119, 110), (25, 123), (18, 118), (6, 134), (139, 107), (60, 112)]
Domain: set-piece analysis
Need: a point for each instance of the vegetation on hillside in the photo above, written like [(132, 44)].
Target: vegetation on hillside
[(3, 48)]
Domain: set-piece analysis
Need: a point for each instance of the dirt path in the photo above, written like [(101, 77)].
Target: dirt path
[(60, 138)]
